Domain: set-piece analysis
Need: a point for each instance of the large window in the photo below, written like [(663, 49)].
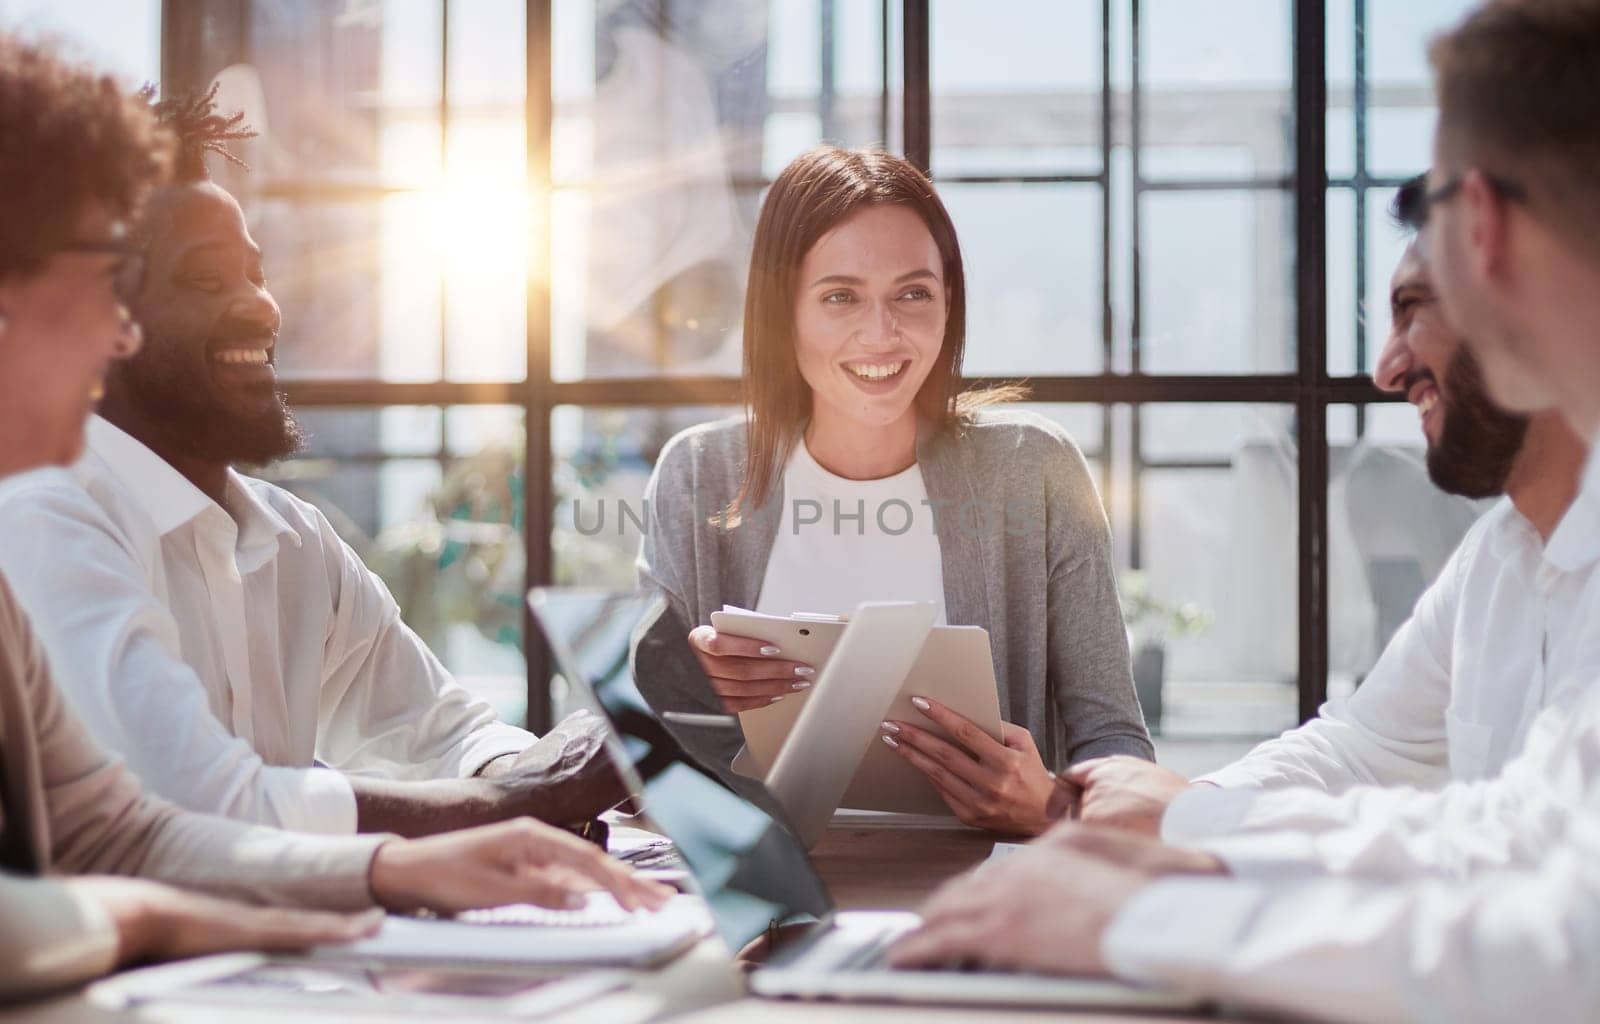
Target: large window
[(510, 237)]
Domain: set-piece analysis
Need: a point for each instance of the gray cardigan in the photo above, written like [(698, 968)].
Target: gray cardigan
[(1026, 553)]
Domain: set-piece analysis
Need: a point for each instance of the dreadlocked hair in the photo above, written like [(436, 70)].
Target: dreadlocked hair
[(193, 118)]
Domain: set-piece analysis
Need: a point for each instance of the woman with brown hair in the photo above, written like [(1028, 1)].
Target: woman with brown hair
[(861, 472), (77, 157)]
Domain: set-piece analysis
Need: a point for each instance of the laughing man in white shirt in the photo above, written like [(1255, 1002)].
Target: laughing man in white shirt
[(1454, 693), (1486, 906), (211, 628)]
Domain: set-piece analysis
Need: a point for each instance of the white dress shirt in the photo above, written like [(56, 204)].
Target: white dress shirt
[(1452, 696), (223, 652), (1478, 901)]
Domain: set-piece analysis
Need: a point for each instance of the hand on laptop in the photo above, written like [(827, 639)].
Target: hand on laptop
[(1125, 792), (156, 922), (521, 861), (1041, 909), (1003, 787), (745, 672)]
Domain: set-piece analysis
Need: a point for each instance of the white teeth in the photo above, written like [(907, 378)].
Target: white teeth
[(876, 371), (1427, 403), (242, 356)]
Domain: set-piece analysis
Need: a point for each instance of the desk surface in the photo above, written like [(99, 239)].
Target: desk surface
[(867, 862)]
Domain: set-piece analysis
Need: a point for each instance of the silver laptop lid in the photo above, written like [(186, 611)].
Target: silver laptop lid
[(749, 867)]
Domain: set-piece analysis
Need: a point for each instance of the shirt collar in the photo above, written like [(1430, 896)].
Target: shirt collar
[(260, 525), (163, 493), (171, 501), (1576, 540)]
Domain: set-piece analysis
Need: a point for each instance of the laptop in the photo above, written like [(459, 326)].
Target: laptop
[(743, 857)]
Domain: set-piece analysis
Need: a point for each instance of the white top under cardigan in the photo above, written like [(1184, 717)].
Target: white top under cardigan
[(841, 542)]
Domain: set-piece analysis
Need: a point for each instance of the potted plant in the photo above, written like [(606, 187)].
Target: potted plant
[(1151, 623)]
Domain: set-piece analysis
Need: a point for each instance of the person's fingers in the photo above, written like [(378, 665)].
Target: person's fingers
[(537, 887), (960, 899), (978, 742), (756, 670), (957, 760), (289, 929), (1080, 772), (933, 945), (768, 688), (225, 927), (709, 641), (736, 705), (1065, 801), (949, 785), (1017, 738), (557, 847)]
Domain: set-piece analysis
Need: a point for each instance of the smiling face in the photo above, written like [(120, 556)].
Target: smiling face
[(205, 386), (1472, 443), (64, 327), (870, 313)]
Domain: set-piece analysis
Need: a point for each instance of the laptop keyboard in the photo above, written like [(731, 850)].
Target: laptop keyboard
[(870, 956)]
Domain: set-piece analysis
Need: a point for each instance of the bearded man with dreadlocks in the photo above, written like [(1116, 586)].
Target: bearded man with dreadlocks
[(212, 628)]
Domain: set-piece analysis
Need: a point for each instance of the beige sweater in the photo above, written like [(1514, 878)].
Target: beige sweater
[(79, 811)]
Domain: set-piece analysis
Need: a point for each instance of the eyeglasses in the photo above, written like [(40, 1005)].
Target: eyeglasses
[(1417, 214), (128, 275)]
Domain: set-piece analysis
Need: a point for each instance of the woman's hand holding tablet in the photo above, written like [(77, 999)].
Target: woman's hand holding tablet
[(1000, 786), (745, 672)]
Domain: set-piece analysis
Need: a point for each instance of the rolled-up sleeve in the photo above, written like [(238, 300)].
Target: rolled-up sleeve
[(388, 707)]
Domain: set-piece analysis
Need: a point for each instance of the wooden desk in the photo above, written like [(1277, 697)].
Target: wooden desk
[(868, 861), (877, 862)]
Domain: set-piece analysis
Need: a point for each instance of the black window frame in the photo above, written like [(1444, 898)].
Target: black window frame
[(1309, 389)]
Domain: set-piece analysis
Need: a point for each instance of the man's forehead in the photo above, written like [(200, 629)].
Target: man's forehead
[(195, 214)]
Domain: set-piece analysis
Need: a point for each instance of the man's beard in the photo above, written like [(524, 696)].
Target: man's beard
[(181, 413), (1478, 443)]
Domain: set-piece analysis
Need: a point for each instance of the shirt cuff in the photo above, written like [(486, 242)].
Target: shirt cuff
[(1267, 856), (494, 740), (325, 803), (1203, 811), (1176, 932)]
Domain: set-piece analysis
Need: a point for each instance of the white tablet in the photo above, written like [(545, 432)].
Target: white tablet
[(953, 667)]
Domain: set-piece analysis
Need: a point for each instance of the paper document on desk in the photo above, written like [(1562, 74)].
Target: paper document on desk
[(599, 934)]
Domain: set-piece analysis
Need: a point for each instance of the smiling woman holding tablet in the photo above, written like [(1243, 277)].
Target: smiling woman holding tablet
[(863, 472)]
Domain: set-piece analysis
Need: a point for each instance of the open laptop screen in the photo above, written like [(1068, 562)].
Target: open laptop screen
[(750, 869)]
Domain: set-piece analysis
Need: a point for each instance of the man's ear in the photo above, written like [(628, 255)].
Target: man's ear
[(1487, 227)]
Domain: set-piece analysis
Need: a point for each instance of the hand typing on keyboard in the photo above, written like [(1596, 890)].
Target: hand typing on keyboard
[(599, 909)]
